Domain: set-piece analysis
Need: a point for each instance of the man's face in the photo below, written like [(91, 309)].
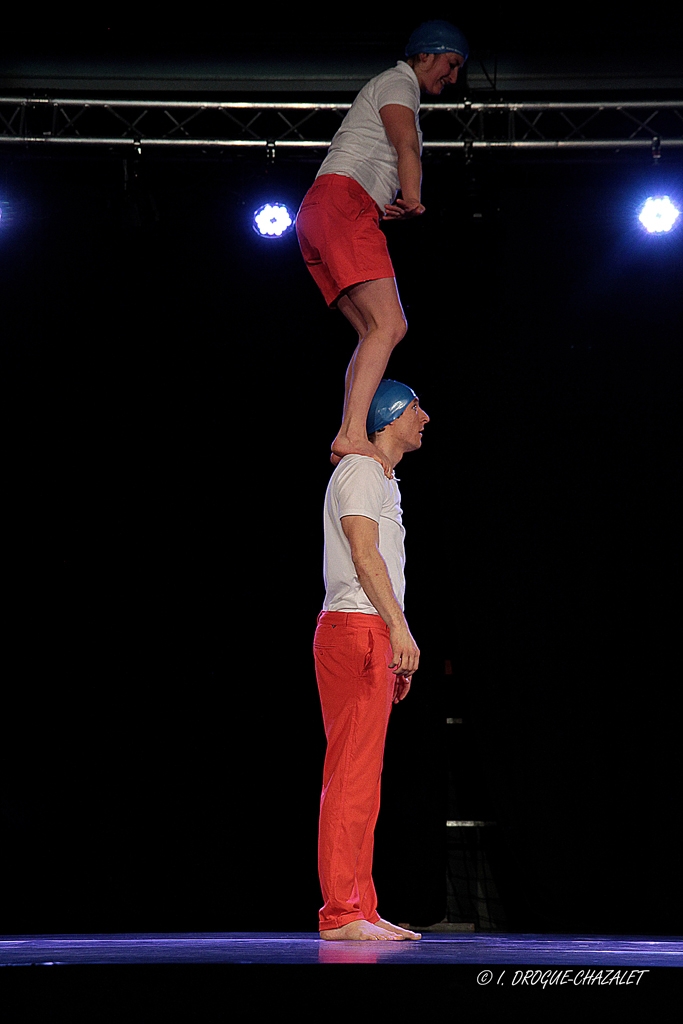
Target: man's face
[(439, 70), (408, 427)]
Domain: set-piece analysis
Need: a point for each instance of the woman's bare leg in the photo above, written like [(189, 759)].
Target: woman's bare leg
[(346, 306), (374, 309)]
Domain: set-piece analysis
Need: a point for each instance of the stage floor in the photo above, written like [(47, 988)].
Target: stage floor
[(306, 948)]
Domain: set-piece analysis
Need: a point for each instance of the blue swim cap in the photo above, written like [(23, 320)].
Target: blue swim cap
[(437, 37), (391, 398)]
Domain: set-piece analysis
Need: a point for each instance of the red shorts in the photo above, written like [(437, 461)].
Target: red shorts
[(340, 237)]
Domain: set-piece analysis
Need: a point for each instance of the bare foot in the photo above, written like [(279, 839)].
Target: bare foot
[(403, 933), (342, 446), (362, 930)]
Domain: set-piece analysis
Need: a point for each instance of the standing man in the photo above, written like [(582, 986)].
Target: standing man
[(365, 657), (375, 154)]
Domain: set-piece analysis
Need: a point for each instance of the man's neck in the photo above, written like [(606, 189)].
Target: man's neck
[(393, 453)]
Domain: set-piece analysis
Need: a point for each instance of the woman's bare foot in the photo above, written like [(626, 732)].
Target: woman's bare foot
[(363, 930), (342, 446), (403, 933)]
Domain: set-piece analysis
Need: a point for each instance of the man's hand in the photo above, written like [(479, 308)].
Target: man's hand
[(405, 652), (401, 687), (403, 209)]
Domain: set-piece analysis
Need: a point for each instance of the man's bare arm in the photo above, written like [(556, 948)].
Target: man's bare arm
[(399, 124), (363, 536)]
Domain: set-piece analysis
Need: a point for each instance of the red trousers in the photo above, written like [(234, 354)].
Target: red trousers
[(352, 655)]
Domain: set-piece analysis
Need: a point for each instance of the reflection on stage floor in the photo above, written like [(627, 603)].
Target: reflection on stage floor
[(307, 948)]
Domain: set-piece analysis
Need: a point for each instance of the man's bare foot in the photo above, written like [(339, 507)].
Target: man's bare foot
[(342, 446), (403, 933), (363, 930)]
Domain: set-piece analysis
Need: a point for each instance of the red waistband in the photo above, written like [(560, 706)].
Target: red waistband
[(343, 183), (354, 619)]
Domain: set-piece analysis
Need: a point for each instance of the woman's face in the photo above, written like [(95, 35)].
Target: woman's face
[(436, 70)]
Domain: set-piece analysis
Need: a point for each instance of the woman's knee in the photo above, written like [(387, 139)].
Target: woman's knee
[(388, 331), (399, 327)]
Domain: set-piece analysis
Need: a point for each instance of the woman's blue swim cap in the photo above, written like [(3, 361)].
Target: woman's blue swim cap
[(437, 37)]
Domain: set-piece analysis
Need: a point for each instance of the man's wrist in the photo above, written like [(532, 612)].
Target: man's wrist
[(398, 624)]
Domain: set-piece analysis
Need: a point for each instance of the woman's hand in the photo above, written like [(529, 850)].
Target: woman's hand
[(403, 209)]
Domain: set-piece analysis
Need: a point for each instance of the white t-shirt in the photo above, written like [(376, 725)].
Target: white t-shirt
[(361, 149), (358, 487)]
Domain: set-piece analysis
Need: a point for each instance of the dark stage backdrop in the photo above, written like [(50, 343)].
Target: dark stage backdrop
[(173, 384)]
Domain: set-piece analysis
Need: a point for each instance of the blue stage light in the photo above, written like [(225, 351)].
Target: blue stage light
[(272, 220), (658, 214)]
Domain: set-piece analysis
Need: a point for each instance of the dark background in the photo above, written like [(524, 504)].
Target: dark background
[(172, 386)]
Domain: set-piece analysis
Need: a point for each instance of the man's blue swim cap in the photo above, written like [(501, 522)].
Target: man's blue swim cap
[(391, 398), (437, 37)]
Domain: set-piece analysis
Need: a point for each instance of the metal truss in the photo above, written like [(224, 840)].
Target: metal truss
[(205, 125)]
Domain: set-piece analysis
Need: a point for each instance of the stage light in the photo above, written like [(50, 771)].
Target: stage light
[(272, 220), (658, 214)]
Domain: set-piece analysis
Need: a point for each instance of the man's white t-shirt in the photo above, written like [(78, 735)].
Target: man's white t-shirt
[(358, 487), (361, 149)]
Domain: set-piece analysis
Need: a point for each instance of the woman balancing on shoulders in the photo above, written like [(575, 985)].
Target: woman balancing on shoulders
[(374, 155)]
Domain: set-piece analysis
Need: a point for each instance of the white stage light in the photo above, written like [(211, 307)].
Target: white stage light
[(658, 214), (272, 220)]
